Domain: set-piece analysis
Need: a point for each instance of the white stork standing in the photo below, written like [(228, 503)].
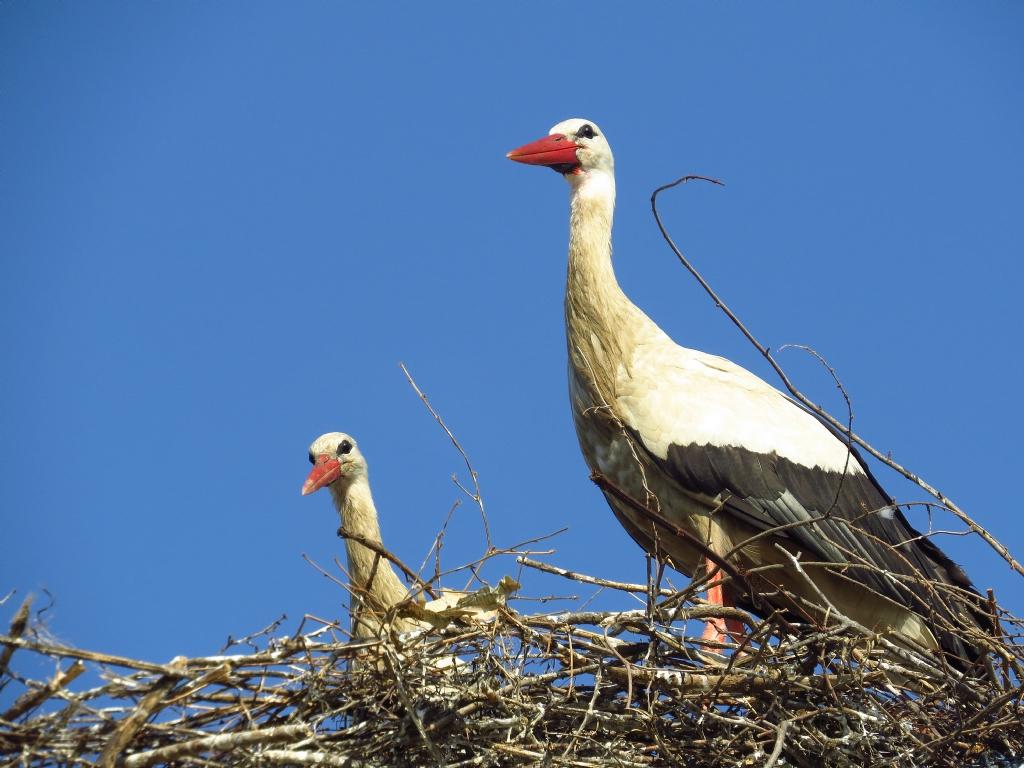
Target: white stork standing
[(720, 453), (338, 465)]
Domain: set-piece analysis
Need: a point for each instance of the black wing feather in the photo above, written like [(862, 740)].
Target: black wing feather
[(767, 490)]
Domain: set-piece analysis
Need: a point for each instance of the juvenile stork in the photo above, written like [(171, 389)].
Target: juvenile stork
[(719, 453), (340, 467)]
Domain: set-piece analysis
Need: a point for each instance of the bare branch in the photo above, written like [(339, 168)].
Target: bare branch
[(817, 409), (476, 495)]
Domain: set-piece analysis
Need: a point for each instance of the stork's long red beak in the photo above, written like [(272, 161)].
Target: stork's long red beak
[(555, 149), (325, 471)]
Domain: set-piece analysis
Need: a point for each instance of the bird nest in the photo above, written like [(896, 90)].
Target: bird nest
[(482, 684)]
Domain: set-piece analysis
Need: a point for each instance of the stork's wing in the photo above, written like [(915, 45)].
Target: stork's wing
[(719, 431)]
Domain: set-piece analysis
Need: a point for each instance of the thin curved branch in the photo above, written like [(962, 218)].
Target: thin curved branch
[(475, 496), (766, 353)]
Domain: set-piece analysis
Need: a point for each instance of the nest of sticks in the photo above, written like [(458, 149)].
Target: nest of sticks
[(486, 685)]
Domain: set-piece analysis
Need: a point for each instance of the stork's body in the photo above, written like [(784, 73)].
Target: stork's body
[(688, 433), (376, 588)]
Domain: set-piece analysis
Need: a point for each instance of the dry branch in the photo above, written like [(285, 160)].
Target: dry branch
[(18, 625), (844, 429)]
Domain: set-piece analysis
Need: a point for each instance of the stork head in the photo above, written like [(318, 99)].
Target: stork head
[(334, 457), (575, 148)]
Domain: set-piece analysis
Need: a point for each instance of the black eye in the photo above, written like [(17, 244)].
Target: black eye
[(344, 447), (312, 459), (586, 131)]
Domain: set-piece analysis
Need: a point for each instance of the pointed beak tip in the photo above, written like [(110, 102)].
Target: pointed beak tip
[(553, 149), (324, 472)]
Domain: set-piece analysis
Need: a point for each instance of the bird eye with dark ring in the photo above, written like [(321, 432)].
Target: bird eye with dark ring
[(312, 459), (586, 132), (344, 447)]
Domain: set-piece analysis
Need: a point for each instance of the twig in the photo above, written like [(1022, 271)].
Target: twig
[(290, 757), (130, 725), (223, 743), (817, 409), (619, 585), (74, 653), (780, 740), (396, 672), (33, 699), (849, 423), (476, 496), (660, 520), (588, 716), (344, 533), (18, 625)]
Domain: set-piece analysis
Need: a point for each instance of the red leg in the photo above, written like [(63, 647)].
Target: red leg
[(721, 630)]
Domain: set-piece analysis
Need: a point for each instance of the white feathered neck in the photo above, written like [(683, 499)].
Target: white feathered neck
[(369, 572), (601, 323)]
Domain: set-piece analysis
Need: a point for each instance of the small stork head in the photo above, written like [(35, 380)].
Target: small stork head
[(575, 148), (334, 457)]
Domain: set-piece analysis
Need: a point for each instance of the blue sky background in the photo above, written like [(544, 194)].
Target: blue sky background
[(223, 225)]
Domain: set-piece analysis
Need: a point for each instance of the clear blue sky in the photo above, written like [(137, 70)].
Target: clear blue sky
[(224, 224)]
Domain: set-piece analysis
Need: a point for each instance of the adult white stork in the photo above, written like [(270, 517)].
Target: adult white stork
[(724, 456), (340, 467)]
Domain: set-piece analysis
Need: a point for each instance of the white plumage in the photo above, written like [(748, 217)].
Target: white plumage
[(674, 395), (339, 466), (687, 433)]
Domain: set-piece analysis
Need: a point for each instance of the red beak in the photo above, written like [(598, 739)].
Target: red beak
[(555, 149), (325, 471)]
